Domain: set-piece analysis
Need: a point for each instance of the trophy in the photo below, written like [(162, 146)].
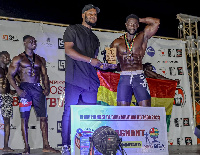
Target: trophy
[(111, 55), (111, 58)]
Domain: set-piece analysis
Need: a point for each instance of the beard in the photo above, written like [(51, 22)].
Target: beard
[(132, 33), (88, 22)]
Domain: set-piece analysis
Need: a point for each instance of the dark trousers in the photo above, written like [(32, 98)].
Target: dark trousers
[(74, 95)]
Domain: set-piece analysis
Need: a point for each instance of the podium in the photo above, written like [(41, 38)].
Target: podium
[(143, 129)]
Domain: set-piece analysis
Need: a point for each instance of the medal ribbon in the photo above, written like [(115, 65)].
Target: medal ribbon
[(30, 60), (130, 47)]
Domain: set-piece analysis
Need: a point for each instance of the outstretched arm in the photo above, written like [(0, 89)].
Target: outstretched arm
[(153, 75), (69, 50), (152, 26)]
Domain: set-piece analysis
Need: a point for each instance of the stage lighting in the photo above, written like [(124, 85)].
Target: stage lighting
[(105, 140)]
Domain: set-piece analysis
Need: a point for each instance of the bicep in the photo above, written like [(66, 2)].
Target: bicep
[(14, 66), (113, 44), (150, 30)]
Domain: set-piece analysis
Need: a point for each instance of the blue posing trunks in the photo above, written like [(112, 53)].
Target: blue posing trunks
[(33, 97), (132, 82)]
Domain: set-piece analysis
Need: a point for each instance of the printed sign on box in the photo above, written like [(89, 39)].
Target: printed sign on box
[(142, 129)]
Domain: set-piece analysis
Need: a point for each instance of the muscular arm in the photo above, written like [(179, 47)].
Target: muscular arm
[(115, 44), (1, 78), (152, 74), (152, 26), (45, 77), (12, 70)]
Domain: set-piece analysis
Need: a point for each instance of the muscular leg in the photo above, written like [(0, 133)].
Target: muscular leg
[(123, 103), (44, 129), (145, 103), (24, 128), (6, 134)]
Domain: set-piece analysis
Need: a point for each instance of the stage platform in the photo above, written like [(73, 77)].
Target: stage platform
[(173, 150)]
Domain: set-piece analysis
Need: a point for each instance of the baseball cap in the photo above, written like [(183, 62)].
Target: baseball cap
[(90, 6)]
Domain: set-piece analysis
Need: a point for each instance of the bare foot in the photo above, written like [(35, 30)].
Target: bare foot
[(50, 149), (7, 149), (26, 151)]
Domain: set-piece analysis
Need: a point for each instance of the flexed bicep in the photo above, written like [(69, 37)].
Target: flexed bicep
[(152, 26)]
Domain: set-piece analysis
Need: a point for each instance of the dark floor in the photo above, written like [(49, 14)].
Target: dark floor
[(173, 150)]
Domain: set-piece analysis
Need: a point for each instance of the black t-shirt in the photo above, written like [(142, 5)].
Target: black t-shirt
[(80, 73)]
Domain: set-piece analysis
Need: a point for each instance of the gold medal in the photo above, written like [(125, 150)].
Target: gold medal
[(33, 74)]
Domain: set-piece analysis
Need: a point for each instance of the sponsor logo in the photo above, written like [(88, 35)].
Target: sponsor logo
[(186, 122), (178, 52), (188, 140), (180, 97), (48, 43), (171, 52), (162, 52), (60, 43), (179, 140), (82, 140), (172, 71), (163, 70), (152, 139), (150, 51), (180, 70), (9, 38), (170, 142), (61, 65), (178, 122), (59, 126), (174, 52)]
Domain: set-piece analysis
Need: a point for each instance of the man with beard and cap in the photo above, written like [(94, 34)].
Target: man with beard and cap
[(81, 80), (131, 49)]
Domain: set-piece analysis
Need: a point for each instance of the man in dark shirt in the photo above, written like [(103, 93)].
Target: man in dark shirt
[(81, 82)]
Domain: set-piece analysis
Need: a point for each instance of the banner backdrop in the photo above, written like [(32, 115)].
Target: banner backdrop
[(168, 58)]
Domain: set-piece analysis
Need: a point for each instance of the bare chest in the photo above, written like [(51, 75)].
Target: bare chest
[(30, 62)]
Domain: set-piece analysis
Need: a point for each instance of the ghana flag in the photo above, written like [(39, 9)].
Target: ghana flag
[(107, 92), (162, 95), (162, 92)]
